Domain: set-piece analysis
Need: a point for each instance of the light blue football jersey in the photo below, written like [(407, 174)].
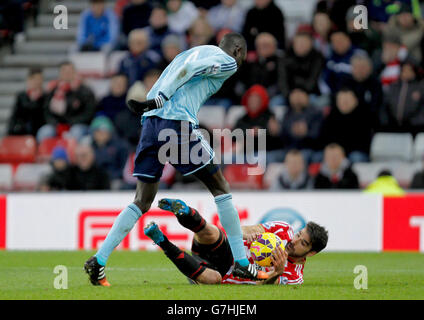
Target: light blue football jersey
[(189, 80)]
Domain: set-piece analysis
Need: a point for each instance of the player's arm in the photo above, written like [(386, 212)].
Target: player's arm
[(251, 233), (279, 259)]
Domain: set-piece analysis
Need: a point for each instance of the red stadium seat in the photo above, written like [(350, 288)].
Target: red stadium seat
[(47, 146), (238, 177), (17, 149)]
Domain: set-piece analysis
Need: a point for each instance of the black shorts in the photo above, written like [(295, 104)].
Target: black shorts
[(217, 256), (191, 151)]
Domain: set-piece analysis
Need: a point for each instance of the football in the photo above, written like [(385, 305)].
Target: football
[(261, 249)]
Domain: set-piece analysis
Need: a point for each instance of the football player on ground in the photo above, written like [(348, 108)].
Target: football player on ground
[(211, 261), (173, 102)]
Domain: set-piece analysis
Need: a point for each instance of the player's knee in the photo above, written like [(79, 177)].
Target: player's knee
[(209, 276), (222, 187), (144, 206)]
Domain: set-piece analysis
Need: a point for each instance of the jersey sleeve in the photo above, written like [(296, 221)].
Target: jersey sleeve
[(280, 228), (217, 66)]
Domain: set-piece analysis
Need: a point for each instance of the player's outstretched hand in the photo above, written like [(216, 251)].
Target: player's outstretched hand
[(250, 237), (279, 259)]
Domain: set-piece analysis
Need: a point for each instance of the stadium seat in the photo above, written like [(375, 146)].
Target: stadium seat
[(46, 147), (234, 113), (391, 147), (6, 177), (17, 149), (238, 177), (367, 172), (89, 64), (114, 60), (212, 117), (28, 176), (419, 147), (273, 170), (100, 87)]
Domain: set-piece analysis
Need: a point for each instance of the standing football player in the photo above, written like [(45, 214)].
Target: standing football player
[(211, 261), (173, 103)]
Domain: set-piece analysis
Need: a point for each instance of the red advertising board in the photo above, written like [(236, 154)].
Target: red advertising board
[(403, 223), (2, 221)]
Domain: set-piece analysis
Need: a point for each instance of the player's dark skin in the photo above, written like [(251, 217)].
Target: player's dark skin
[(215, 183)]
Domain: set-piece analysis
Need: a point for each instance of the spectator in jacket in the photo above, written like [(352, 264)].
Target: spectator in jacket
[(335, 171), (349, 124), (158, 29), (114, 102), (366, 85), (367, 39), (136, 16), (200, 33), (322, 27), (403, 102), (301, 66), (181, 15), (98, 28), (386, 185), (338, 67), (227, 15), (60, 177), (139, 59), (258, 116), (69, 105), (171, 46), (28, 113), (110, 151), (85, 174), (392, 55), (294, 175), (301, 125), (267, 17), (263, 69), (409, 29)]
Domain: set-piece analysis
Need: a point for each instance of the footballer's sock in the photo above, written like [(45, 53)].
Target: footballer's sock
[(230, 220), (192, 221), (121, 227), (188, 265)]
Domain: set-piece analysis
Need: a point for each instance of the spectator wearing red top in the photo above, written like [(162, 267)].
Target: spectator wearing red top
[(69, 103), (258, 116), (335, 171)]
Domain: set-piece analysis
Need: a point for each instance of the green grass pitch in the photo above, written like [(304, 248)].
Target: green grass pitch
[(149, 276)]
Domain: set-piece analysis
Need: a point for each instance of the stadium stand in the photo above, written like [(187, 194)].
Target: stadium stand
[(45, 47), (28, 176)]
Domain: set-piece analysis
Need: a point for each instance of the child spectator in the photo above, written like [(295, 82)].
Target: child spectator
[(28, 112), (110, 151)]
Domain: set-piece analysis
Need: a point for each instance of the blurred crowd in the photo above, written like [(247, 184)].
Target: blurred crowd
[(339, 84)]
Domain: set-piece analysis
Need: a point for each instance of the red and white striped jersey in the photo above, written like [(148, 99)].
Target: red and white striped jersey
[(293, 272)]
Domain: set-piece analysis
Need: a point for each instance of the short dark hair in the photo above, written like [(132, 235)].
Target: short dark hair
[(233, 39), (318, 235), (34, 71)]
